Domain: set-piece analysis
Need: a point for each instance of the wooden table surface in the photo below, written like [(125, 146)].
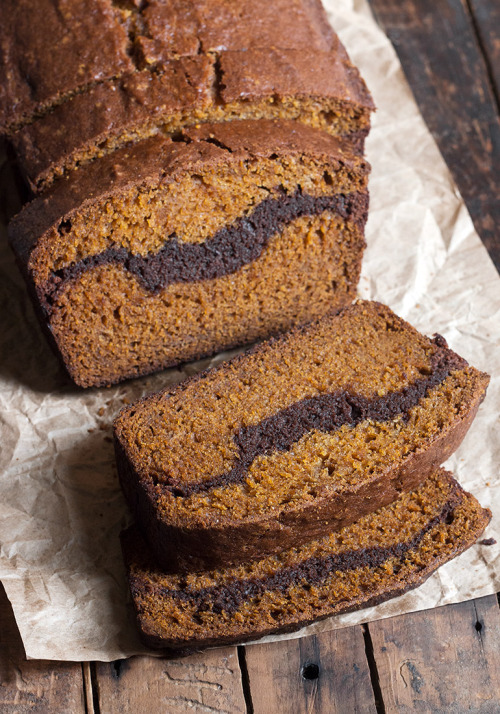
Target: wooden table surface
[(443, 660)]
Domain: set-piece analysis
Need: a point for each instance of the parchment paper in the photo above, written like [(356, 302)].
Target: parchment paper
[(61, 509)]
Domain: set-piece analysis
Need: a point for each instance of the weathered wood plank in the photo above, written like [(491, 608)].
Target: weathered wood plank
[(442, 660), (34, 686), (326, 673), (206, 683), (486, 14), (442, 60)]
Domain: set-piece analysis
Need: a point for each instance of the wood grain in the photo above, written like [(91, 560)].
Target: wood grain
[(206, 683), (440, 661), (34, 686), (326, 673), (486, 16), (442, 59)]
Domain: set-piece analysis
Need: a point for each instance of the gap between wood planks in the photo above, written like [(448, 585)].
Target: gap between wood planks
[(372, 664), (245, 679), (90, 690)]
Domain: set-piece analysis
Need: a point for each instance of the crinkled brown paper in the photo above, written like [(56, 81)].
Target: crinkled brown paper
[(61, 509)]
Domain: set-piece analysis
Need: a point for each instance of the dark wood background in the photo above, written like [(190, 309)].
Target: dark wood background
[(441, 661)]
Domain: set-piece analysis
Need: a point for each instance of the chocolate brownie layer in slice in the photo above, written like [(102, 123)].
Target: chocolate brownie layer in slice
[(165, 66), (171, 250), (303, 434), (382, 555)]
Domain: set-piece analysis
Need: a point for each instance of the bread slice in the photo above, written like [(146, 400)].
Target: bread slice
[(122, 71), (172, 250), (303, 434), (382, 555)]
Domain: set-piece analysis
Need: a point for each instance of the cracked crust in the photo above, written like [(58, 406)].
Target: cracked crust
[(177, 65), (41, 73)]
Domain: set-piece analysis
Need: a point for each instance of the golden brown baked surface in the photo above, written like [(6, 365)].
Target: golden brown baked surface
[(99, 40), (157, 67), (382, 555), (309, 431)]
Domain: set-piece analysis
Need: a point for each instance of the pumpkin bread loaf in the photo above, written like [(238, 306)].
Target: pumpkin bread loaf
[(122, 71), (382, 555), (303, 434), (172, 250)]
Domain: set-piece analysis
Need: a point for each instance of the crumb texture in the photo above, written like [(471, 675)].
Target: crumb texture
[(383, 554), (309, 431), (226, 235)]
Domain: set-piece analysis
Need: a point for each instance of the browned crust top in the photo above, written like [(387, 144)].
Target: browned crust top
[(50, 50), (67, 92), (188, 84)]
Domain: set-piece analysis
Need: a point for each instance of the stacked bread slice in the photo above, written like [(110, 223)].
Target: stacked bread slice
[(200, 182), (378, 557), (297, 481)]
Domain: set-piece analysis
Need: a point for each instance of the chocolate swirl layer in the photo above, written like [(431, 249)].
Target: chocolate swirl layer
[(314, 570), (226, 252), (326, 413)]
